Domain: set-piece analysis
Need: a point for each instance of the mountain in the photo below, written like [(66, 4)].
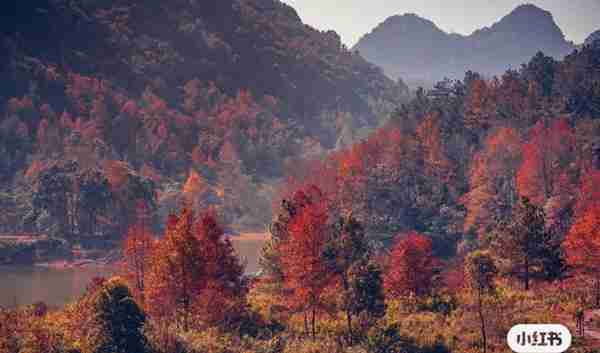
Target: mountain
[(222, 93), (260, 45), (408, 46), (592, 37), (415, 49)]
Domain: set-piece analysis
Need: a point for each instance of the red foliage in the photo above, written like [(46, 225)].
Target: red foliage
[(454, 278), (220, 302), (492, 180), (411, 267), (430, 138), (305, 272), (589, 192), (137, 249), (82, 90), (175, 276), (130, 107), (194, 271), (582, 243), (546, 156), (582, 247)]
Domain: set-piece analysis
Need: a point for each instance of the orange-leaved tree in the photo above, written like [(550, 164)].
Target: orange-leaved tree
[(546, 159), (194, 273), (305, 271), (492, 181), (176, 275), (582, 246), (411, 267), (221, 301), (137, 251)]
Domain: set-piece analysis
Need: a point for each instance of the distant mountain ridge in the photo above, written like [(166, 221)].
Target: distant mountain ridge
[(592, 37), (416, 50)]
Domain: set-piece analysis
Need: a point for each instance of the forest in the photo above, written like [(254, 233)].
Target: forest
[(472, 210), (428, 222), (123, 111)]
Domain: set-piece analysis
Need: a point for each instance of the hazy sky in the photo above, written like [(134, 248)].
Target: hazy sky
[(353, 18)]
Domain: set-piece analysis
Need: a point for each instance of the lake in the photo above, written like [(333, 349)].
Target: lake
[(22, 285)]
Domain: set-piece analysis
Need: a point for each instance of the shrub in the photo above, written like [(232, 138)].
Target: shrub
[(116, 322), (443, 304)]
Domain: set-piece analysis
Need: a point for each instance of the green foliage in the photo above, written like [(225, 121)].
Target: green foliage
[(438, 303), (384, 340), (14, 147), (45, 249), (348, 255), (542, 70), (53, 193), (94, 195), (118, 320), (366, 287), (480, 271), (527, 248)]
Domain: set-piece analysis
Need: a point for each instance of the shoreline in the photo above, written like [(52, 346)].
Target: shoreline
[(111, 258), (68, 265), (249, 237)]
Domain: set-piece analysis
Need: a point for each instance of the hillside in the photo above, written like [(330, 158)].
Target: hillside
[(183, 98), (251, 186), (592, 37), (454, 165), (415, 49)]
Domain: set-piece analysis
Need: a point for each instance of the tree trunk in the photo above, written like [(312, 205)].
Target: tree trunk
[(481, 320), (306, 332), (348, 310), (526, 272), (597, 285), (186, 296), (349, 319), (314, 324)]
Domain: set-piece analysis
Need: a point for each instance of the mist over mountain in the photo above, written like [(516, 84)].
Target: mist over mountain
[(419, 52)]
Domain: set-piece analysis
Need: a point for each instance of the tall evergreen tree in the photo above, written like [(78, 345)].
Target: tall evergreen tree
[(528, 248), (117, 320)]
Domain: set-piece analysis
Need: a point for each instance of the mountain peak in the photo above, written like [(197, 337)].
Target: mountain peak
[(415, 49), (528, 25), (405, 25), (529, 10), (529, 18), (407, 22)]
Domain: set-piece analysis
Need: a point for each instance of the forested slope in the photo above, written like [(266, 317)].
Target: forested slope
[(218, 94)]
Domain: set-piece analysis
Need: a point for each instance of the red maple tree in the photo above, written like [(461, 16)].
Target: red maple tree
[(546, 158), (582, 246), (305, 271), (411, 267), (221, 300), (176, 275)]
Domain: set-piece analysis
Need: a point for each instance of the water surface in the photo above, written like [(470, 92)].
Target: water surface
[(22, 285)]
